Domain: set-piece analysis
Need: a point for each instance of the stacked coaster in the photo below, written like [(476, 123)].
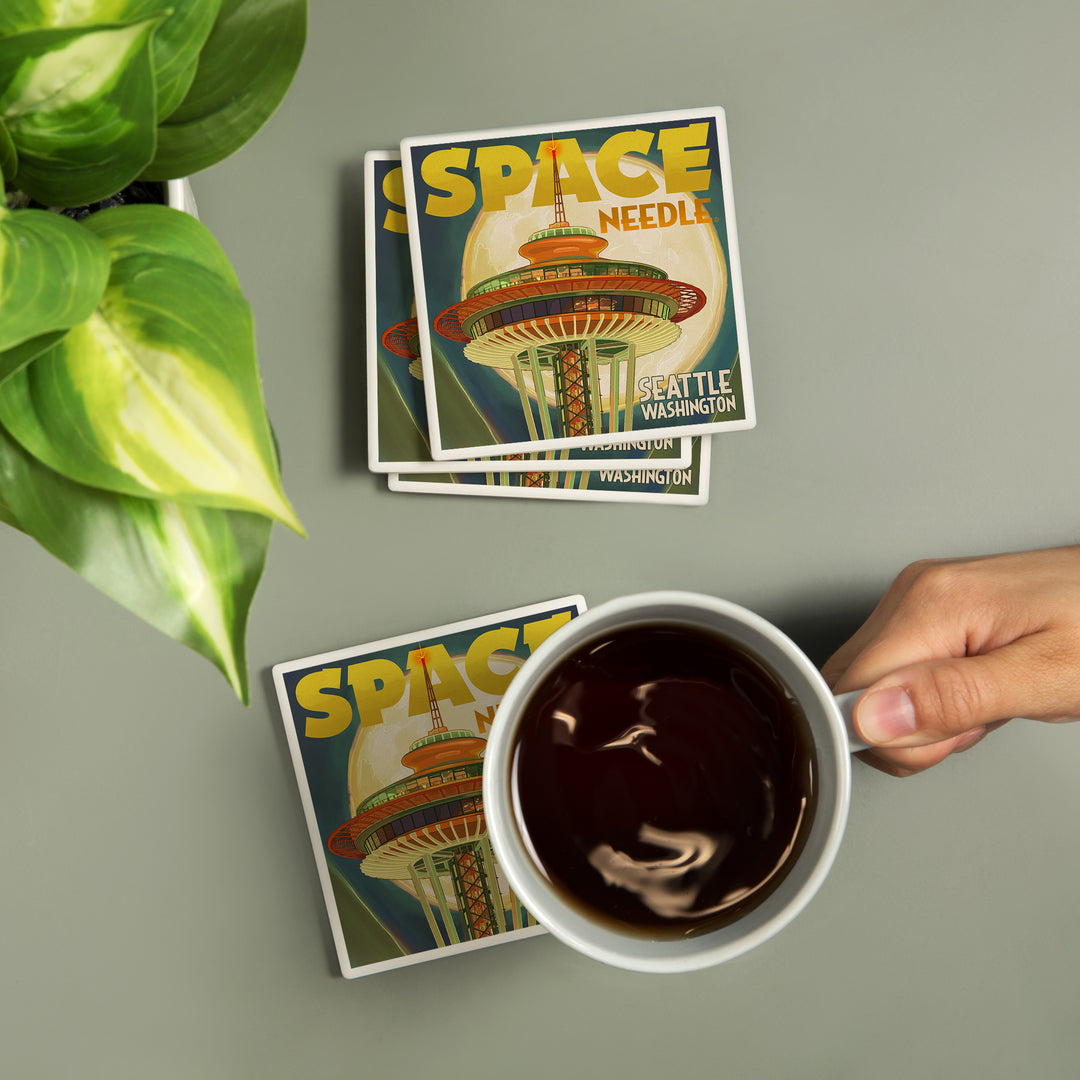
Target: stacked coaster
[(557, 311)]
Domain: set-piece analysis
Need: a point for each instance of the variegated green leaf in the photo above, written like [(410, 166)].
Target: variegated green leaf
[(7, 515), (149, 229), (157, 394), (9, 157), (79, 106), (176, 44), (245, 68), (19, 15), (18, 356), (52, 275), (190, 571)]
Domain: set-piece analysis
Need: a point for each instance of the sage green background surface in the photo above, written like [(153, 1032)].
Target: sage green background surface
[(908, 204)]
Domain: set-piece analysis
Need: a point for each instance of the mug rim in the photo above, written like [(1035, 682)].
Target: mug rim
[(574, 927)]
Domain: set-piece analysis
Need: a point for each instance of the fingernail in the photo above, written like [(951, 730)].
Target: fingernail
[(970, 738), (885, 715)]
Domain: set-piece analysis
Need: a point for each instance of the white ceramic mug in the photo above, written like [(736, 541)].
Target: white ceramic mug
[(834, 740)]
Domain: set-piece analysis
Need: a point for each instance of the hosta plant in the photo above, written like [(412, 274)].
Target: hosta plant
[(134, 441)]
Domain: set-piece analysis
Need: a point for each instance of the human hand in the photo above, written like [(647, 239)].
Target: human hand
[(956, 648)]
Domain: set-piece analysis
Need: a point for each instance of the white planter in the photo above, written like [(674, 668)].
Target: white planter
[(179, 195)]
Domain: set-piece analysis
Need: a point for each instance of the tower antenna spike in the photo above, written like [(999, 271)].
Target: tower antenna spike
[(437, 725), (560, 221)]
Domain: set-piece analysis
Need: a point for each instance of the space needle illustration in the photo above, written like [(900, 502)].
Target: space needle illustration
[(566, 313), (428, 828)]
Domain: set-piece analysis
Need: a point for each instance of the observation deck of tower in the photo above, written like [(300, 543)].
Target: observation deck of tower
[(403, 339), (568, 312), (429, 827)]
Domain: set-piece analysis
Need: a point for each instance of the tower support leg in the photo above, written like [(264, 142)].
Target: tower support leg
[(541, 396), (613, 394), (631, 375), (421, 895), (526, 405), (594, 387), (444, 907)]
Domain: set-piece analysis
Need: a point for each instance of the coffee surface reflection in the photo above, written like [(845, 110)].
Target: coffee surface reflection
[(663, 779)]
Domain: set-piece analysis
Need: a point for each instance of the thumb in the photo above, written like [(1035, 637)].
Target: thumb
[(939, 699)]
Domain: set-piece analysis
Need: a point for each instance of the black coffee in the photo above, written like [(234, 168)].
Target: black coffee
[(664, 779)]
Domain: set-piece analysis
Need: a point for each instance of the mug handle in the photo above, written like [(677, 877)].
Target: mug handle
[(846, 705)]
